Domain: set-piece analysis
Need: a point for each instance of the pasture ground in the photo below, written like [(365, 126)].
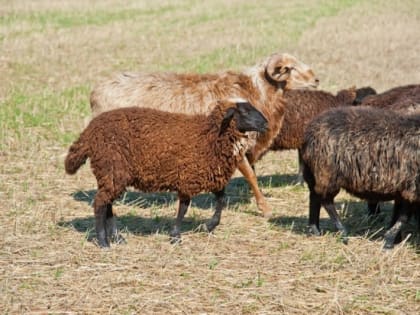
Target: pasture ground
[(51, 55)]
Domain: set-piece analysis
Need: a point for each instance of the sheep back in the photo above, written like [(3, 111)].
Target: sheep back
[(173, 92)]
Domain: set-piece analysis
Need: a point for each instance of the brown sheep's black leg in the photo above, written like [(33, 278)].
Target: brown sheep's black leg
[(328, 204), (314, 211), (100, 223), (111, 227), (220, 204), (373, 208), (175, 234)]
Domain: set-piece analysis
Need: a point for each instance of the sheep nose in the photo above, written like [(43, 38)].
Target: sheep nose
[(316, 81)]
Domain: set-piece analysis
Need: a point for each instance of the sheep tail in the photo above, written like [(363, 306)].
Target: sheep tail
[(77, 156)]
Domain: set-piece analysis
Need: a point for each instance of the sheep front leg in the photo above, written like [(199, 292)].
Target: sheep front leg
[(314, 212), (175, 234), (111, 227), (246, 170), (328, 204), (220, 204)]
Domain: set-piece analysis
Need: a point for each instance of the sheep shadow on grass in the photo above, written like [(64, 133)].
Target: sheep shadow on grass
[(237, 192), (354, 216), (134, 224)]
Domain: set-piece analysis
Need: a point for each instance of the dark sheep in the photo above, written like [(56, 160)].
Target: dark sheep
[(398, 98), (153, 150), (404, 99), (373, 154), (362, 93), (304, 105)]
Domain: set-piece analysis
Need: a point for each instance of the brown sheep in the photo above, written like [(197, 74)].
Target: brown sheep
[(372, 153), (262, 85), (153, 150)]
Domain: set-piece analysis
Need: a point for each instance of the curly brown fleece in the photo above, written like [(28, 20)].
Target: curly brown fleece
[(303, 106), (153, 151)]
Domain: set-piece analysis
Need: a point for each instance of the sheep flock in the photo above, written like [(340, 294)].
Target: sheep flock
[(188, 133)]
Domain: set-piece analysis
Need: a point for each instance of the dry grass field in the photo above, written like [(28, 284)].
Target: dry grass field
[(51, 55)]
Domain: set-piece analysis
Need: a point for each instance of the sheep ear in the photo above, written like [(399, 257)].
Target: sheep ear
[(277, 69), (226, 119)]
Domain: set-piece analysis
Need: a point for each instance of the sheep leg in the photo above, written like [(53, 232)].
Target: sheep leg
[(300, 180), (111, 227), (314, 211), (373, 208), (246, 170), (220, 204), (328, 204), (100, 223), (175, 234), (400, 216)]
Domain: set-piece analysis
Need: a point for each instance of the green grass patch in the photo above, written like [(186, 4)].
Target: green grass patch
[(67, 19), (45, 114)]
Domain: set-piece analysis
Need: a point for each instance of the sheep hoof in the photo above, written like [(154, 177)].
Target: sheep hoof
[(203, 227), (268, 214), (388, 246), (299, 180), (210, 226), (389, 241), (175, 236), (103, 244), (265, 209), (313, 230), (118, 239), (344, 239), (175, 239)]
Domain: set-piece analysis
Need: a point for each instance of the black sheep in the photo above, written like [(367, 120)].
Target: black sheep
[(371, 153)]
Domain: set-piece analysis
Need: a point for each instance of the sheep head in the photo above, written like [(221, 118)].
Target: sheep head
[(247, 117), (290, 73)]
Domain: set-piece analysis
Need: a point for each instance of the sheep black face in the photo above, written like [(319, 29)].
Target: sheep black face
[(362, 93), (247, 118)]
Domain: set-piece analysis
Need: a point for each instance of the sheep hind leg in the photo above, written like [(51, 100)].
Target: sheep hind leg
[(111, 227), (100, 223), (328, 204), (246, 170), (400, 216), (175, 234), (220, 204)]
